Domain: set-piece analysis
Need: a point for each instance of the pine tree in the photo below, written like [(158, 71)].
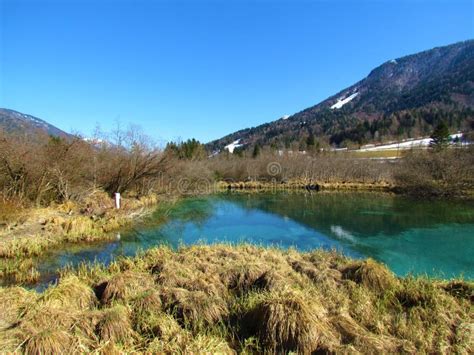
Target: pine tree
[(256, 151), (440, 136), (239, 152)]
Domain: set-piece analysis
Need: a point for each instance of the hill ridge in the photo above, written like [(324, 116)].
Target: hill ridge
[(401, 98), (14, 122)]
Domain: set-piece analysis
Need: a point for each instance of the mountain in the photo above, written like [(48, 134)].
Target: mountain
[(402, 98), (15, 122)]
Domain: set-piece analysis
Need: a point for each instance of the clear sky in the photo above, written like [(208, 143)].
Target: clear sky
[(203, 69)]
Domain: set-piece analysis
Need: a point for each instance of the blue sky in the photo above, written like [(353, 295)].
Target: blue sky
[(203, 69)]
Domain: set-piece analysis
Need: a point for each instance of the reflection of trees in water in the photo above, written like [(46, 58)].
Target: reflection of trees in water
[(358, 213), (341, 215), (195, 210)]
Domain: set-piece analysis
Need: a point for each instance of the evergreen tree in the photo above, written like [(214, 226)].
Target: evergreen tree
[(189, 150), (256, 151), (440, 136), (238, 151)]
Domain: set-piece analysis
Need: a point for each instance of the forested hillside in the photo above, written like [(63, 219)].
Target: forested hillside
[(402, 98)]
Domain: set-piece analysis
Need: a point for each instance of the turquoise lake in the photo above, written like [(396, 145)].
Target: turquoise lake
[(435, 238)]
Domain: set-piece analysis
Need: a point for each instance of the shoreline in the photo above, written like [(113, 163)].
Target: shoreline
[(315, 186), (70, 223), (307, 186), (46, 228)]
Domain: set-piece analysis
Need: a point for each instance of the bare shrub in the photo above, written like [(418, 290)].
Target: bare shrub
[(42, 169), (131, 161), (326, 168), (441, 173), (187, 177)]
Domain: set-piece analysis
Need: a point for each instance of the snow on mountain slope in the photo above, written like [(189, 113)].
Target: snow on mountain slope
[(341, 102), (403, 92), (13, 121), (232, 146)]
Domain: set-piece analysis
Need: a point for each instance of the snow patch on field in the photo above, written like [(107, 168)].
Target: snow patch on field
[(408, 144), (341, 102), (232, 146)]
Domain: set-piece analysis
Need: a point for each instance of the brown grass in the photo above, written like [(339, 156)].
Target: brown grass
[(46, 228), (48, 342), (227, 299), (289, 320), (460, 289), (370, 274), (123, 286), (19, 271), (146, 311), (307, 184), (70, 292), (194, 309), (115, 325), (10, 212)]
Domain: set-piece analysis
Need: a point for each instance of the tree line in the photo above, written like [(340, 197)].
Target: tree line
[(39, 169)]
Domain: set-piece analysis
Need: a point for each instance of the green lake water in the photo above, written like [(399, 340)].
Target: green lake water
[(419, 237)]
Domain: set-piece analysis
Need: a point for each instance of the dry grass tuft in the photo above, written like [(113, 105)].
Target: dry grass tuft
[(123, 286), (353, 334), (289, 320), (70, 293), (147, 302), (115, 325), (10, 211), (205, 344), (42, 316), (97, 201), (370, 274), (417, 293), (85, 328), (241, 278), (164, 327), (194, 309), (269, 280), (13, 301), (203, 276), (185, 343), (48, 342), (461, 289), (19, 271), (111, 290), (146, 309)]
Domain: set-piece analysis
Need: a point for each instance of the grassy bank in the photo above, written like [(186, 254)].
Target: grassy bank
[(36, 230), (224, 299), (308, 185)]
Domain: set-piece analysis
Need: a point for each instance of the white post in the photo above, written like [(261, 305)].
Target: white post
[(117, 200)]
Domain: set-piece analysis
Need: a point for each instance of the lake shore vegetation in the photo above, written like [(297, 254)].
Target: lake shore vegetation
[(243, 298), (213, 299), (56, 190)]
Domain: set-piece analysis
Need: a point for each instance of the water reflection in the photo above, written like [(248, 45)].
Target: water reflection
[(430, 237)]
